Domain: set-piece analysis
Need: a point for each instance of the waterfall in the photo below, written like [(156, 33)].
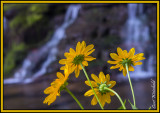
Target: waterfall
[(4, 23), (47, 52), (137, 35)]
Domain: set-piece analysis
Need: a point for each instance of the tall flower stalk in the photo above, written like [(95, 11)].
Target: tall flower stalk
[(91, 86), (134, 101), (125, 61), (74, 98), (108, 89)]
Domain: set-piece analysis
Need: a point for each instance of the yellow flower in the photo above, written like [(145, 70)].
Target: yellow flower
[(56, 86), (125, 58), (98, 85), (74, 58)]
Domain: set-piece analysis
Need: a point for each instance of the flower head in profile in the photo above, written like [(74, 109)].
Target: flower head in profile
[(99, 85), (80, 56), (56, 86), (124, 58)]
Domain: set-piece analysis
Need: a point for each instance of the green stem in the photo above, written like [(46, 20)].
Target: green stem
[(130, 85), (74, 98), (91, 85), (106, 88)]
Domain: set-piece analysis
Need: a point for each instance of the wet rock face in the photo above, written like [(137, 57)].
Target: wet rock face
[(97, 24), (30, 25)]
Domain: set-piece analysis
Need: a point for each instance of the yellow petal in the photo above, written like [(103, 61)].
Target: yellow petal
[(83, 44), (137, 56), (110, 93), (68, 55), (78, 47), (114, 56), (108, 98), (113, 83), (62, 68), (131, 53), (49, 90), (88, 53), (94, 101), (72, 51), (94, 84), (116, 66), (72, 67), (112, 62), (95, 78), (125, 54), (60, 75), (66, 70), (89, 58), (85, 63), (90, 92), (121, 67), (50, 99), (141, 58), (80, 67), (77, 71), (131, 68), (88, 48), (102, 77), (137, 63), (120, 52), (102, 99), (124, 71), (107, 78), (62, 61), (56, 83)]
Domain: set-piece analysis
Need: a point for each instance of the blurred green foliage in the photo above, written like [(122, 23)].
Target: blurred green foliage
[(8, 7), (13, 55), (23, 17), (29, 14)]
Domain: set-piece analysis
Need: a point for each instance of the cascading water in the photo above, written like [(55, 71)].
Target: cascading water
[(47, 52), (137, 35), (4, 23)]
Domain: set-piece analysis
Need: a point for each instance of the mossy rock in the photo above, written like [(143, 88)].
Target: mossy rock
[(109, 41), (27, 16), (13, 57)]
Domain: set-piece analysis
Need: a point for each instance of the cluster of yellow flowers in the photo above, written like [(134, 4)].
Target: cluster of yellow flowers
[(101, 86)]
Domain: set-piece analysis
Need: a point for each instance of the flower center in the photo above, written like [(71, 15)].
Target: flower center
[(78, 59), (102, 86), (126, 61)]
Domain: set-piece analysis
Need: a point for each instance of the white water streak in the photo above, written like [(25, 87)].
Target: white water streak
[(50, 48)]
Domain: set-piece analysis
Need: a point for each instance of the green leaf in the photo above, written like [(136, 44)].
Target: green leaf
[(149, 108), (133, 107), (124, 104)]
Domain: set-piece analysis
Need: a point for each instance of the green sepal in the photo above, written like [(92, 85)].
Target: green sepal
[(63, 86), (133, 107), (122, 106)]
